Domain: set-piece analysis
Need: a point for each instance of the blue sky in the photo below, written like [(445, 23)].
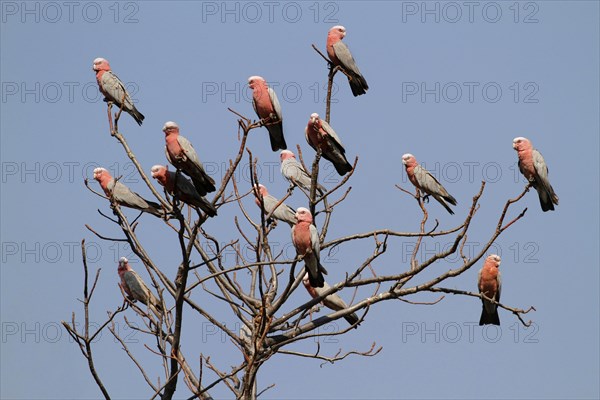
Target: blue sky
[(451, 83)]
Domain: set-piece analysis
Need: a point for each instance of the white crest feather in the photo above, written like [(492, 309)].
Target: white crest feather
[(170, 124), (256, 78)]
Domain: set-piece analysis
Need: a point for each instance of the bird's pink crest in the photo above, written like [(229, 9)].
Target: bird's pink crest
[(255, 80), (286, 154), (100, 64), (408, 159), (98, 172), (169, 125), (123, 266), (337, 32), (158, 170), (261, 189), (303, 215), (493, 260), (521, 143)]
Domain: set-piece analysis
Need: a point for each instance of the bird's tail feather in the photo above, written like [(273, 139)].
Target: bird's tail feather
[(138, 116), (352, 319), (276, 137), (489, 318), (443, 203), (358, 85)]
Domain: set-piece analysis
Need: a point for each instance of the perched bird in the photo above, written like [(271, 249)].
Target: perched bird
[(136, 289), (333, 301), (266, 105), (293, 171), (424, 181), (184, 189), (340, 55), (319, 134), (123, 195), (535, 170), (490, 284), (283, 213), (306, 241), (114, 90), (182, 155)]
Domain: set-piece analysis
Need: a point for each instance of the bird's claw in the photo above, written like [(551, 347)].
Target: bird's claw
[(426, 199)]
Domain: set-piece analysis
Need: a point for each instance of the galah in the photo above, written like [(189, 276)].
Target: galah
[(306, 241), (266, 105), (114, 90), (535, 170), (183, 188), (333, 301), (424, 181), (490, 285), (135, 287), (283, 213), (320, 135), (293, 171), (182, 155), (123, 195), (340, 55)]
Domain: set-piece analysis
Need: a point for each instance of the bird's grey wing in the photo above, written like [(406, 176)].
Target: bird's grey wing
[(188, 149), (343, 54), (327, 128), (499, 280), (315, 242), (123, 194), (186, 187), (112, 85), (428, 181), (137, 286), (541, 169), (275, 102)]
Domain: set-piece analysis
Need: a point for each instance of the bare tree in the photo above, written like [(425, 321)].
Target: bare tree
[(257, 299)]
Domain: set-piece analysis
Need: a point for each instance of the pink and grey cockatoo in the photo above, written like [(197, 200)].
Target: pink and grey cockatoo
[(123, 195), (266, 105), (182, 155), (283, 213), (293, 171), (535, 170), (114, 90), (340, 55), (490, 284), (306, 241), (424, 181), (135, 287), (184, 189), (333, 301), (319, 134)]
